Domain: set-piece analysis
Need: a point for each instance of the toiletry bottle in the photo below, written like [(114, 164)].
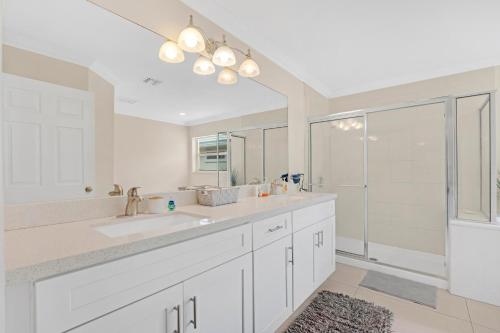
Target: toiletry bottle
[(171, 205)]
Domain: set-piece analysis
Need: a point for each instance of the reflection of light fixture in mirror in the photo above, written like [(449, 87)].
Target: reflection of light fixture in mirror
[(203, 66), (249, 67), (170, 52), (224, 56), (227, 76), (211, 52), (182, 113), (191, 39)]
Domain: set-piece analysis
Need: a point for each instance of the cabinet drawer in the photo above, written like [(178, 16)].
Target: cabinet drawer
[(159, 313), (305, 217), (271, 229), (69, 300)]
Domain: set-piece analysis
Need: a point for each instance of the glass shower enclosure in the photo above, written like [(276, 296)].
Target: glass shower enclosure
[(254, 154), (393, 167)]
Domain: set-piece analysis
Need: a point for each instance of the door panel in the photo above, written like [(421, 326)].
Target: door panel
[(272, 285), (323, 252), (337, 166), (303, 265), (220, 300), (48, 144), (407, 187)]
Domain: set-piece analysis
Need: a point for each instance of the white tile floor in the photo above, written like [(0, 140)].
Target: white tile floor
[(454, 314)]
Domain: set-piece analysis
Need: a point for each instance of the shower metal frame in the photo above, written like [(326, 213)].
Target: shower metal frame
[(450, 158), (492, 154), (228, 134)]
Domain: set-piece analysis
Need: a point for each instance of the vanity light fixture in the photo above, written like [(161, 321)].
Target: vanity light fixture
[(182, 114), (171, 52), (224, 56), (191, 39), (227, 76), (203, 66), (211, 52), (249, 67)]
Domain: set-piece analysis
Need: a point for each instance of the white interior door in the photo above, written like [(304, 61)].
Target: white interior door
[(48, 141)]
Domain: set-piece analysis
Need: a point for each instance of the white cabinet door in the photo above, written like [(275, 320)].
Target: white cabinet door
[(303, 265), (159, 313), (220, 300), (48, 139), (272, 271), (323, 251), (313, 256)]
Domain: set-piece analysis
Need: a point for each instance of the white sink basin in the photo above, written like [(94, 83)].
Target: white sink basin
[(174, 221)]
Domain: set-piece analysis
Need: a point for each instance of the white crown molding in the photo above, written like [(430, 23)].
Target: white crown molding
[(25, 42), (421, 76)]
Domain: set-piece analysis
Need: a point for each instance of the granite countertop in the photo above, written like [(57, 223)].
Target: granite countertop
[(37, 253)]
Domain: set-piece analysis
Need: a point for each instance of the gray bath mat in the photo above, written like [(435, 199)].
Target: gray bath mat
[(337, 313), (412, 291)]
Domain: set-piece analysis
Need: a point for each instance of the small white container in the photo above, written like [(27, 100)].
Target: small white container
[(156, 205)]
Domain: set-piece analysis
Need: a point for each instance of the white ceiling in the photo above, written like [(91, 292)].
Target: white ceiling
[(341, 47), (126, 54)]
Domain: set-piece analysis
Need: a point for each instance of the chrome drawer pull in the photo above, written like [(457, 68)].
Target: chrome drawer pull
[(194, 321), (276, 228), (290, 259), (178, 309)]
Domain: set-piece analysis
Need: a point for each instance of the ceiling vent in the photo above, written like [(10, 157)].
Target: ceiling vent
[(127, 100), (151, 81)]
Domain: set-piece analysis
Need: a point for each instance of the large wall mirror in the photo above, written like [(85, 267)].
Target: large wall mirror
[(253, 155), (89, 104)]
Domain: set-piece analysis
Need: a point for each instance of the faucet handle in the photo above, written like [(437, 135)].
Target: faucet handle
[(132, 192), (117, 190)]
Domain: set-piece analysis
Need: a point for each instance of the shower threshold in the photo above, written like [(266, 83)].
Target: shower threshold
[(411, 260)]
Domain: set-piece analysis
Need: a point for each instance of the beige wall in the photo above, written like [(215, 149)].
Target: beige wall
[(40, 67), (463, 83), (151, 154), (104, 102), (256, 119)]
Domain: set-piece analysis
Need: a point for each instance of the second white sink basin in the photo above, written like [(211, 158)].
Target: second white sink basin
[(137, 225)]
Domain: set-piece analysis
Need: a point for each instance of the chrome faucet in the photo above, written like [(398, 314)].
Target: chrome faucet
[(133, 199)]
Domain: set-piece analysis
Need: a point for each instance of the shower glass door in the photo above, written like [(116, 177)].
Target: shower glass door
[(337, 166), (406, 195)]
